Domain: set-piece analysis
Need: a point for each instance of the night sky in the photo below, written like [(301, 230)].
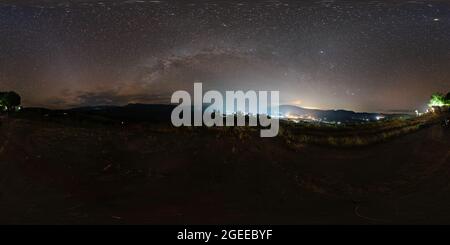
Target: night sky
[(372, 56)]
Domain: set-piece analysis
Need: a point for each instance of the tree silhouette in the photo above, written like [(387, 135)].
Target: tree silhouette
[(9, 101)]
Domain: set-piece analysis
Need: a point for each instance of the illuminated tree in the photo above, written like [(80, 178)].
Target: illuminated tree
[(437, 99)]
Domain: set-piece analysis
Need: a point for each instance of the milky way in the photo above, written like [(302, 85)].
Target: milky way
[(364, 56)]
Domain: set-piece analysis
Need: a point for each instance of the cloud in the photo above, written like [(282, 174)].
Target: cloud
[(115, 98), (122, 94)]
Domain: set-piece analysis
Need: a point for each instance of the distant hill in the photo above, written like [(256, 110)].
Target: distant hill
[(130, 112), (335, 115), (162, 113)]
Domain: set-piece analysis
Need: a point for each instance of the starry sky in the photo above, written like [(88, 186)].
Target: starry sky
[(383, 56)]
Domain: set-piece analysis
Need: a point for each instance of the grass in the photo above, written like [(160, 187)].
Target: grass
[(354, 135)]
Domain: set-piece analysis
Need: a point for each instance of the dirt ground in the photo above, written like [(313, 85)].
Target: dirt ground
[(51, 173)]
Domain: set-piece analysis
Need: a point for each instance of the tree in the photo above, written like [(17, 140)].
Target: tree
[(447, 98), (437, 99), (9, 101)]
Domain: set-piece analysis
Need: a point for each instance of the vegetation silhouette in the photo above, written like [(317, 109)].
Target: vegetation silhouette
[(9, 101)]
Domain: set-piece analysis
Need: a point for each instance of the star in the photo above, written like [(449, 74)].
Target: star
[(92, 50)]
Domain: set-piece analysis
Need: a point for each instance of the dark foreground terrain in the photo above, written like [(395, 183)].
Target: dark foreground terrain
[(52, 172)]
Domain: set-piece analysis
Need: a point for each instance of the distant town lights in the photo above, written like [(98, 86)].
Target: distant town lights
[(418, 113)]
